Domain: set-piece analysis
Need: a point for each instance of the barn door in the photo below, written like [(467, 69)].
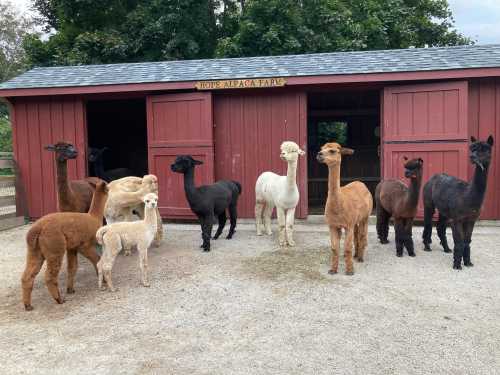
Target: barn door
[(179, 124), (427, 121)]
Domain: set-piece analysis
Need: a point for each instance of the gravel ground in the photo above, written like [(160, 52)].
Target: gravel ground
[(249, 307)]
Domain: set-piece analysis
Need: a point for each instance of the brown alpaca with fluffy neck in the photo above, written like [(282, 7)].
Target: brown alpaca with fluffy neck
[(347, 208), (61, 233), (76, 195)]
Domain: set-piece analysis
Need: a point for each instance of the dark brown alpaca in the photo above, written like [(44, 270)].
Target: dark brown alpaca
[(61, 233), (76, 195), (394, 198)]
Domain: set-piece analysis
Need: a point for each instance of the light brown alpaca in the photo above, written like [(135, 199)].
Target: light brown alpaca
[(76, 195), (61, 233), (347, 208)]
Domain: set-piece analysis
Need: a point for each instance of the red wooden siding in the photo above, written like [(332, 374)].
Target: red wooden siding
[(37, 123), (179, 124), (427, 121), (484, 119), (249, 129)]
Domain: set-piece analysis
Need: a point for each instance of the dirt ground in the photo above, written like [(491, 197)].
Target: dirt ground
[(249, 307)]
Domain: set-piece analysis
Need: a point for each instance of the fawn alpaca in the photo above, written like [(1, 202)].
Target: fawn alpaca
[(117, 236), (280, 191), (54, 235), (394, 198), (457, 202), (347, 207)]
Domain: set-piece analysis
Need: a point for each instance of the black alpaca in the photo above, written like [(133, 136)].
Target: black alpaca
[(459, 203), (209, 201), (96, 158)]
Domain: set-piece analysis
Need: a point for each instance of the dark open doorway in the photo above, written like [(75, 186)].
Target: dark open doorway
[(119, 125), (351, 118)]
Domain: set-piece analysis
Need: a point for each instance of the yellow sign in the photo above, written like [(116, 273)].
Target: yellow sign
[(241, 84)]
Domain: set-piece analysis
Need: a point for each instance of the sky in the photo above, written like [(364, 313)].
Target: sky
[(478, 19)]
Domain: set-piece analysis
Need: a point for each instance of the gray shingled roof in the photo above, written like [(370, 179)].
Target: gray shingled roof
[(385, 61)]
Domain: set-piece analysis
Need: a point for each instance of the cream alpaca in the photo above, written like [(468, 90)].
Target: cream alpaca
[(280, 191), (118, 236)]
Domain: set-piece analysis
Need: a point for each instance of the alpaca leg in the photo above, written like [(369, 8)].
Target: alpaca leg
[(233, 217), (259, 210), (281, 225), (159, 229), (143, 264), (222, 221), (408, 238), (91, 254), (72, 258), (441, 231), (382, 224), (289, 221), (51, 277), (427, 234), (268, 212), (361, 240), (348, 243), (458, 249), (335, 245), (34, 262), (206, 229), (399, 229), (112, 246), (468, 229)]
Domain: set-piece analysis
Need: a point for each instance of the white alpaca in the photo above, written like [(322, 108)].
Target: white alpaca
[(281, 191), (118, 236)]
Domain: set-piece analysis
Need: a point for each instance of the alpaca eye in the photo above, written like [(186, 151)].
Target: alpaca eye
[(332, 151)]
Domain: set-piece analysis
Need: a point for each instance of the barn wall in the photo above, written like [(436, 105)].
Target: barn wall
[(484, 119), (38, 122), (249, 129)]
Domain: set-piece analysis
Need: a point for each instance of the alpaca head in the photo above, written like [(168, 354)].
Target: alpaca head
[(331, 153), (95, 154), (184, 163), (150, 200), (290, 151), (63, 150), (480, 152), (150, 181), (413, 167)]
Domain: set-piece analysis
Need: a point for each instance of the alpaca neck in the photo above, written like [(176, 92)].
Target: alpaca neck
[(150, 217), (99, 167), (97, 206), (414, 191), (291, 175), (62, 178), (334, 182), (477, 188), (189, 187)]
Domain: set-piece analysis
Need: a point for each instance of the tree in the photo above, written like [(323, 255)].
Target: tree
[(107, 31), (270, 27)]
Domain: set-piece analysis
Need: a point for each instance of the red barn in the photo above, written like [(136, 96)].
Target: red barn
[(234, 113)]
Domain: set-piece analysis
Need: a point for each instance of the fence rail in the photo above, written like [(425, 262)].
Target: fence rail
[(9, 214)]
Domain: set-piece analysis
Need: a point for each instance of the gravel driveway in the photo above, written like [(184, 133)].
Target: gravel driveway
[(249, 307)]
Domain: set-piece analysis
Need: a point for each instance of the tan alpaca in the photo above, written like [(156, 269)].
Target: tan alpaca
[(347, 208), (61, 233), (118, 236), (126, 196)]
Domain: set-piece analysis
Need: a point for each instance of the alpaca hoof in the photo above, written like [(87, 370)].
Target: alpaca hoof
[(146, 284), (206, 250), (427, 248), (269, 233), (127, 253), (259, 233), (349, 273), (384, 241), (455, 267), (70, 290), (359, 259), (399, 254), (447, 250), (411, 254), (156, 243), (470, 264), (60, 300), (229, 236), (28, 307), (332, 272)]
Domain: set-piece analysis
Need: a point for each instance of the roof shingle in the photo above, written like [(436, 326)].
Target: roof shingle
[(382, 61)]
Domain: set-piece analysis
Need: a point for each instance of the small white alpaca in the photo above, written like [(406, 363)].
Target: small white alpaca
[(117, 236), (280, 191)]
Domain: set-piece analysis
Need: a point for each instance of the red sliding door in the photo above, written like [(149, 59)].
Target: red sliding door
[(179, 124), (427, 121)]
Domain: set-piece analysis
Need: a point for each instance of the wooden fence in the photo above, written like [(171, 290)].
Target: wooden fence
[(11, 214)]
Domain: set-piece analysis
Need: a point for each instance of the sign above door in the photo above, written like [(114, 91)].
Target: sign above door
[(253, 83)]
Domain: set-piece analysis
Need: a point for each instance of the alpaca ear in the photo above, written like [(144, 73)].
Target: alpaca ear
[(50, 147), (405, 158), (346, 151), (420, 160), (473, 139), (490, 140), (197, 162), (301, 152)]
